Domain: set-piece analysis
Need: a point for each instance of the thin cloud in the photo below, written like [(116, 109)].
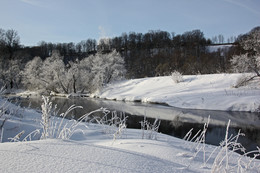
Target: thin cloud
[(102, 32), (31, 2), (243, 5)]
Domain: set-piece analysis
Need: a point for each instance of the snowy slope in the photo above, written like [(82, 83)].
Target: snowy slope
[(70, 156), (211, 92), (94, 151)]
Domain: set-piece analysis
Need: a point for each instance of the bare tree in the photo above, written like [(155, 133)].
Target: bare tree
[(12, 41), (9, 44), (220, 38)]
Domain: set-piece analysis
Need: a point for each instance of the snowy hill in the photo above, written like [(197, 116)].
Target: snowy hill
[(210, 92)]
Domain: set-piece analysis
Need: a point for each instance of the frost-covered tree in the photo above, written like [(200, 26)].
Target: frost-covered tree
[(10, 76), (73, 73), (84, 75), (250, 61), (31, 74), (89, 74), (48, 74), (79, 75), (107, 68), (54, 72)]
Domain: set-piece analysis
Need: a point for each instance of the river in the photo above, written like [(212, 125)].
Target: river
[(174, 121)]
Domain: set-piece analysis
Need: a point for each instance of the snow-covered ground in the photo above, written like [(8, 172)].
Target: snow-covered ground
[(91, 148), (210, 92)]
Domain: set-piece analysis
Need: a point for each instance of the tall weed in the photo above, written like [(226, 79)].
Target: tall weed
[(150, 130)]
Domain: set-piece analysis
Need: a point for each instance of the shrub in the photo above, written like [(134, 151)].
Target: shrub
[(223, 154), (115, 125), (177, 77), (149, 130)]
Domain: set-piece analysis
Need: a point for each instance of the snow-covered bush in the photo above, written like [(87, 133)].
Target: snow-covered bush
[(223, 154), (119, 123), (221, 162), (149, 130), (115, 125), (120, 130), (198, 140), (54, 127), (46, 115), (226, 152), (177, 77)]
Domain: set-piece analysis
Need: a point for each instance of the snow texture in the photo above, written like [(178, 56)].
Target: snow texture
[(209, 92)]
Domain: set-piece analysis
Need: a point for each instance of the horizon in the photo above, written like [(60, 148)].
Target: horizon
[(64, 21)]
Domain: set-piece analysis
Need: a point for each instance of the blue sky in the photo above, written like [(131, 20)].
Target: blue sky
[(76, 20)]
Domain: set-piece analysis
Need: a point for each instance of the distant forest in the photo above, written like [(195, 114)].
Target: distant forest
[(155, 53)]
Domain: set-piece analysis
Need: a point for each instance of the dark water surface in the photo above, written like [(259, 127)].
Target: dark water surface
[(174, 121)]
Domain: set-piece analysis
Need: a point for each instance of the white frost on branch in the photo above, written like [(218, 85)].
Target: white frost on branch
[(250, 61), (89, 74)]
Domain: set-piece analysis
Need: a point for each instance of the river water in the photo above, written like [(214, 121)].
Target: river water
[(174, 121)]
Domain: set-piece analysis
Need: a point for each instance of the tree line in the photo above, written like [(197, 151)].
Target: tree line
[(154, 53)]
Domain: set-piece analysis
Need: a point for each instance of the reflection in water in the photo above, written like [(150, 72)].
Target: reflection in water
[(174, 121)]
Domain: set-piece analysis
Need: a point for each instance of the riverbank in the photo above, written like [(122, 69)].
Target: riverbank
[(209, 92), (206, 92)]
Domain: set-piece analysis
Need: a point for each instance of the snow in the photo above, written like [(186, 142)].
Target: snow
[(215, 48), (91, 148), (209, 92), (69, 156)]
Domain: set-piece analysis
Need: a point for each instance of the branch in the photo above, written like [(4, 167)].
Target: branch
[(63, 87), (244, 81)]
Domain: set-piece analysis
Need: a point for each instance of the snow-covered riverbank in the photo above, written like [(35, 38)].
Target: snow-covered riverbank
[(210, 92)]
